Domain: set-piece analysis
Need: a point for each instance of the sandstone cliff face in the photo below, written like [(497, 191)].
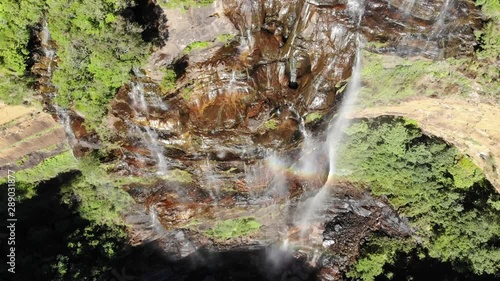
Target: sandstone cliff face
[(240, 108), (27, 137), (289, 60)]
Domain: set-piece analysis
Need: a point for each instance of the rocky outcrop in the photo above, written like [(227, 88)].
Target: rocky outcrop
[(27, 137), (232, 103), (468, 125), (178, 219)]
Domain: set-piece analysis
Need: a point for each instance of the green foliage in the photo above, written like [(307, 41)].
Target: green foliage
[(311, 117), (187, 92), (15, 18), (391, 79), (184, 4), (234, 228), (27, 180), (485, 68), (168, 81), (465, 173), (14, 89), (97, 50), (98, 200), (180, 176), (225, 38), (89, 251), (271, 124), (445, 196), (198, 45), (490, 8), (378, 252)]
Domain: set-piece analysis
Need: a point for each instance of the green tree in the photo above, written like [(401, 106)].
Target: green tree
[(445, 196)]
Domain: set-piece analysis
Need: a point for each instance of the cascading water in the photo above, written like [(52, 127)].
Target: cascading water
[(408, 6), (439, 25), (334, 137), (306, 14), (306, 164), (137, 96), (65, 120), (278, 182), (356, 9), (48, 52), (341, 122), (211, 181), (50, 55), (150, 137), (293, 73), (156, 226), (156, 148)]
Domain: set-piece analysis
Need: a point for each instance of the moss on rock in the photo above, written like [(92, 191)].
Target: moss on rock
[(234, 228)]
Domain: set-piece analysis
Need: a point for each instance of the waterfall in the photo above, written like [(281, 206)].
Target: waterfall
[(150, 138), (247, 40), (65, 120), (156, 148), (306, 10), (438, 26), (334, 138), (212, 182), (278, 182), (357, 9), (306, 164), (50, 55), (157, 227), (232, 81), (45, 45), (293, 73), (341, 122), (158, 103), (137, 96), (335, 130), (407, 6)]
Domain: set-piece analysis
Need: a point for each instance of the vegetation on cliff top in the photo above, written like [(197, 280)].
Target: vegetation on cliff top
[(68, 231), (96, 50), (449, 203), (184, 4), (391, 79), (16, 17), (27, 180), (83, 229)]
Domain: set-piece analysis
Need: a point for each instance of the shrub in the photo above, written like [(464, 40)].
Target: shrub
[(445, 196)]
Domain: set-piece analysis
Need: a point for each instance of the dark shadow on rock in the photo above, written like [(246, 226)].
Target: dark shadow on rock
[(151, 18), (148, 263), (44, 232), (410, 267)]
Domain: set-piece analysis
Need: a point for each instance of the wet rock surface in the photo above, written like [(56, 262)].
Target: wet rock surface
[(177, 223), (222, 143)]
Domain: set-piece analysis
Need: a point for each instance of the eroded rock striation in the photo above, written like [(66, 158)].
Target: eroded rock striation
[(252, 80)]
